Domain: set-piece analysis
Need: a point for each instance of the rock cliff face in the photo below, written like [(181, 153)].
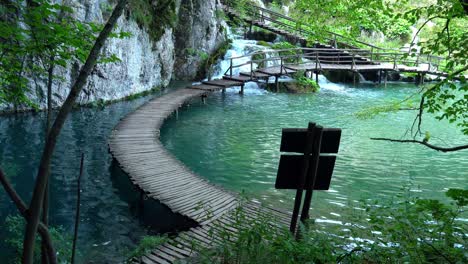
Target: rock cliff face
[(145, 64), (198, 34)]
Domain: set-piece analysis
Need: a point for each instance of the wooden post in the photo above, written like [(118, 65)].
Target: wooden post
[(380, 76), (385, 78), (230, 69), (372, 54), (429, 63), (354, 79), (316, 67), (305, 168), (242, 89), (352, 65), (394, 61), (277, 83), (251, 69), (310, 182), (281, 65)]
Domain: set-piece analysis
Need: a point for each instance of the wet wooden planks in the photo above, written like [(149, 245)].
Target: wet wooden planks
[(134, 143), (189, 243)]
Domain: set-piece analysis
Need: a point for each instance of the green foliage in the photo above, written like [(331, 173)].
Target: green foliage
[(154, 16), (62, 241), (305, 84), (292, 55), (263, 43), (209, 60), (146, 245), (410, 231), (35, 38), (419, 230), (371, 112), (258, 58)]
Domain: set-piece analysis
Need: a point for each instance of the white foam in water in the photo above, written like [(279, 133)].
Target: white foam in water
[(241, 47), (325, 84)]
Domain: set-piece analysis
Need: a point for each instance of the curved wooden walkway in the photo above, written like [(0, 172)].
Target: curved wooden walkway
[(135, 145)]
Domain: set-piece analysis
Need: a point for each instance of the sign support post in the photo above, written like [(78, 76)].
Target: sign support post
[(309, 171)]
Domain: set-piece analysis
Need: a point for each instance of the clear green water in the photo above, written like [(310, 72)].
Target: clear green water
[(110, 226), (234, 141)]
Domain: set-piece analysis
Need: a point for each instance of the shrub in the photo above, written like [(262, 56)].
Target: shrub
[(305, 84), (154, 16), (62, 241), (410, 231), (147, 244)]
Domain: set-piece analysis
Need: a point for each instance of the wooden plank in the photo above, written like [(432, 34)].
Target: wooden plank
[(206, 87), (239, 78), (223, 83)]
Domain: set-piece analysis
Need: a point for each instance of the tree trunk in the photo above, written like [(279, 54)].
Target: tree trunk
[(45, 204), (44, 167)]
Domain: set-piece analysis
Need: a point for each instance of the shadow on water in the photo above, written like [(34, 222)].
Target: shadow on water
[(151, 213)]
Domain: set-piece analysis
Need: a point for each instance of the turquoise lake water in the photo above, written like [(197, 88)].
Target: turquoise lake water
[(111, 223), (234, 142)]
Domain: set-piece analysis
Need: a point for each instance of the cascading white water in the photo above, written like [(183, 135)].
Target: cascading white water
[(242, 47)]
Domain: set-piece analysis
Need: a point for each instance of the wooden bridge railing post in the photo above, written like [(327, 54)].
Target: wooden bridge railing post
[(429, 62), (353, 63), (395, 61), (281, 64), (251, 69), (316, 66), (230, 69), (372, 54)]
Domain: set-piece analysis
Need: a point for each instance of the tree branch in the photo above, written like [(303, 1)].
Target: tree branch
[(44, 166), (419, 30), (21, 206), (442, 149)]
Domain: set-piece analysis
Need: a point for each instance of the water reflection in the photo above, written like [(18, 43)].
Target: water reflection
[(110, 224)]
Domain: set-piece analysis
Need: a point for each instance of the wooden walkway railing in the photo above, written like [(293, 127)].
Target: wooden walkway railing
[(284, 25), (288, 61)]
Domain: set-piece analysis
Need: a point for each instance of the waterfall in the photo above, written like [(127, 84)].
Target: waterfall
[(242, 47)]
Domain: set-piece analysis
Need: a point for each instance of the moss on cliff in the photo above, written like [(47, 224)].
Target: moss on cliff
[(154, 16)]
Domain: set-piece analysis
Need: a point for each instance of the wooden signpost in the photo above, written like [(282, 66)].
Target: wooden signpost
[(310, 171)]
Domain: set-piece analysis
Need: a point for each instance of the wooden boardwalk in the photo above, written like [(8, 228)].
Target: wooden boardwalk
[(135, 145), (375, 59)]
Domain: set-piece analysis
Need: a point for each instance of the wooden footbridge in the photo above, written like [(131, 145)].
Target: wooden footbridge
[(135, 144), (340, 49)]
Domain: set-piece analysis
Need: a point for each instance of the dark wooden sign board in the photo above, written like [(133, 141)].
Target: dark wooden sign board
[(290, 173), (310, 171)]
